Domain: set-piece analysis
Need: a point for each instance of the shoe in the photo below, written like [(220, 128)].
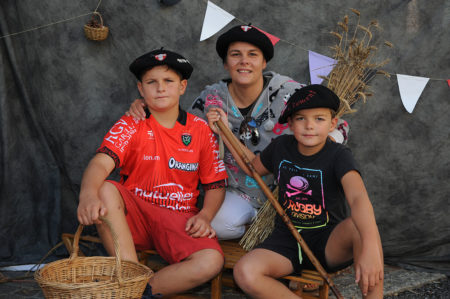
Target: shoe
[(148, 293)]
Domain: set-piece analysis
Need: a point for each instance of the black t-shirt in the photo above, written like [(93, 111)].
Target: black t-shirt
[(310, 189)]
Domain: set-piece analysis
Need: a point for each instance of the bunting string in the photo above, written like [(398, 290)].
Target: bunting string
[(297, 46), (53, 23), (320, 66), (204, 1), (220, 18), (43, 26)]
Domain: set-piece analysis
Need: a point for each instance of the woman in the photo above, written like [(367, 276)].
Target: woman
[(253, 100)]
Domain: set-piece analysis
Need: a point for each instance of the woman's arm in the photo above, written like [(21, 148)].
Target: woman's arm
[(136, 109), (217, 114)]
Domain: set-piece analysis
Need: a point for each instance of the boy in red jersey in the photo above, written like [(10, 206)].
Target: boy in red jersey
[(162, 159)]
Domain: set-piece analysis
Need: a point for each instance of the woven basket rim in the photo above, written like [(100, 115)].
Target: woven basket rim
[(95, 28), (49, 267), (136, 273)]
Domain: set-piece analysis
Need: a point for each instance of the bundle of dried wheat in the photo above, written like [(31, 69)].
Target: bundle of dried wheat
[(355, 55)]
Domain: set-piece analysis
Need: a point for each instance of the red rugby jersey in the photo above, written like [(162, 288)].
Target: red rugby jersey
[(163, 166)]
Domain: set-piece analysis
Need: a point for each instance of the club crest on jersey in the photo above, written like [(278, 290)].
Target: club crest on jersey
[(246, 28), (160, 57), (186, 138)]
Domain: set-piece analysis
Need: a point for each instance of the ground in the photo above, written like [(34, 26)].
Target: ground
[(399, 284)]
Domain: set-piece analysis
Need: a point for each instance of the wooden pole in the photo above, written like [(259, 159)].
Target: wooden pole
[(236, 145)]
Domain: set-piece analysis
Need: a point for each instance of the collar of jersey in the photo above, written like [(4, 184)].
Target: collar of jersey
[(182, 116)]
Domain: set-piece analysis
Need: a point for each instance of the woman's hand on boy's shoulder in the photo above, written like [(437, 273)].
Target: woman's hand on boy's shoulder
[(136, 109)]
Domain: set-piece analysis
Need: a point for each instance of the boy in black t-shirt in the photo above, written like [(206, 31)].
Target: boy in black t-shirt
[(315, 176)]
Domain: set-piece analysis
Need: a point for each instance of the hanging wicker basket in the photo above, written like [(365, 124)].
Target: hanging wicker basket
[(93, 277), (94, 30)]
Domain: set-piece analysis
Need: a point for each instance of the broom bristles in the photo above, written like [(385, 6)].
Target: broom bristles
[(261, 227)]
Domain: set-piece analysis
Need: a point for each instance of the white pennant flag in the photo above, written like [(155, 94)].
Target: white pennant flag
[(411, 88), (319, 65), (215, 19)]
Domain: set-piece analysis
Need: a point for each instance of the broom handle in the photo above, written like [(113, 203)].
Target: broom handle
[(236, 145)]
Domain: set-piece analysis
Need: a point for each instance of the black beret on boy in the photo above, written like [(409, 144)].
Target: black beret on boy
[(248, 34), (310, 96), (161, 57)]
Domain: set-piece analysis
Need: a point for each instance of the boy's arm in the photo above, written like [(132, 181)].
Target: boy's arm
[(200, 224), (90, 207), (369, 265)]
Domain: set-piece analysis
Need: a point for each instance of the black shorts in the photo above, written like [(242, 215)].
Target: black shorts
[(283, 242)]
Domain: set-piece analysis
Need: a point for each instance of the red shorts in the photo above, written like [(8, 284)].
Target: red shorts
[(162, 229)]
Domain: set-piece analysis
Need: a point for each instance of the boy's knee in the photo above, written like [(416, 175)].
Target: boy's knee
[(243, 274), (209, 263), (106, 189), (346, 230), (108, 193)]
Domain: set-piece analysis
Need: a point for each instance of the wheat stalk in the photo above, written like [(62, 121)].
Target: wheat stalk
[(356, 64)]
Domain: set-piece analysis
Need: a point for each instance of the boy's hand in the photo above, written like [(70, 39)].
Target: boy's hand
[(369, 270), (199, 226), (89, 210), (216, 114), (137, 109)]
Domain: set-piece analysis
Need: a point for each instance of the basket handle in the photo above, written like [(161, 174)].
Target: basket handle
[(100, 16), (76, 241)]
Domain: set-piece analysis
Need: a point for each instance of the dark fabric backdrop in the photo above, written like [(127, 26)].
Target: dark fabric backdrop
[(60, 93)]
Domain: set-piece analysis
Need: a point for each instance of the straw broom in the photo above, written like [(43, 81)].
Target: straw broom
[(355, 54)]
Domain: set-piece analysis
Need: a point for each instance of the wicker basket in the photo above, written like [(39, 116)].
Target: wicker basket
[(93, 277), (96, 33)]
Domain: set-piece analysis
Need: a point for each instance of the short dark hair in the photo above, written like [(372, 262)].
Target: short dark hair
[(248, 34)]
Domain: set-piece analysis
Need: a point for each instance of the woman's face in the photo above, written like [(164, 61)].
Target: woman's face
[(245, 63)]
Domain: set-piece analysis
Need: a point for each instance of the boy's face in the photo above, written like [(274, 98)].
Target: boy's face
[(161, 88), (245, 63), (311, 128)]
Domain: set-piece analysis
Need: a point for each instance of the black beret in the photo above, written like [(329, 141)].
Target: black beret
[(248, 34), (310, 96), (161, 57)]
